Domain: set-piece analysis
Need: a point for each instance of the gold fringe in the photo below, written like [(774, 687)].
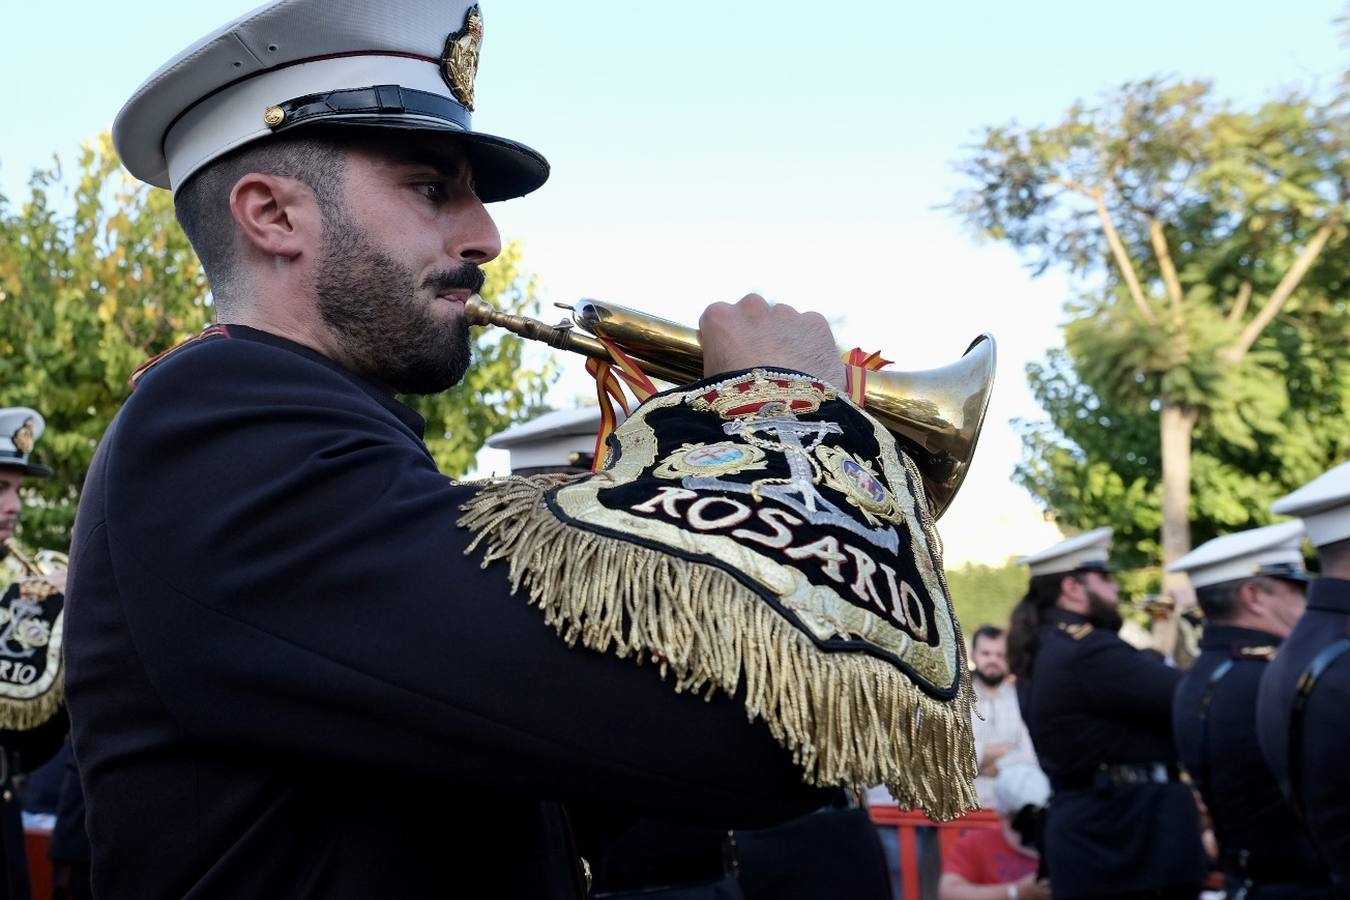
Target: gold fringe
[(23, 715), (848, 719)]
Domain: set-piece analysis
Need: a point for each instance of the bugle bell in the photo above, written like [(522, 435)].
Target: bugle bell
[(935, 415), (40, 564)]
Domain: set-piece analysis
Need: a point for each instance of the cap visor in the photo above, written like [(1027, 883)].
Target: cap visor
[(35, 470), (503, 169)]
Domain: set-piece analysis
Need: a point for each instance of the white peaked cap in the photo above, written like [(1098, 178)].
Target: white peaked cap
[(296, 64), (1323, 504), (1090, 551), (553, 439), (1272, 550), (20, 428)]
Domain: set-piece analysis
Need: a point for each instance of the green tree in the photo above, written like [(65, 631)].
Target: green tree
[(1208, 346), (96, 277), (985, 595)]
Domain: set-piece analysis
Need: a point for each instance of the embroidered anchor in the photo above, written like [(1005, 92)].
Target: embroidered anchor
[(798, 491), (14, 637)]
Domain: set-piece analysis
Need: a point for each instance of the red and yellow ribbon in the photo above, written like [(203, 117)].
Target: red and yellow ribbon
[(856, 366), (610, 377)]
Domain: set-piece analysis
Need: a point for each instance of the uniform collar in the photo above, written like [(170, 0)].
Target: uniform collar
[(1331, 595), (1055, 616), (1234, 637), (406, 414)]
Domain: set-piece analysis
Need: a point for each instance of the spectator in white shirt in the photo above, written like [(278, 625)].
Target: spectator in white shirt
[(1001, 738)]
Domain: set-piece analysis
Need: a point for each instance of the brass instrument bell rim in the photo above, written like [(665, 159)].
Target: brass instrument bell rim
[(670, 351), (39, 563), (985, 377)]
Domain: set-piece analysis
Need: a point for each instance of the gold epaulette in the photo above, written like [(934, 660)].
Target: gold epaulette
[(1077, 631), (1265, 653)]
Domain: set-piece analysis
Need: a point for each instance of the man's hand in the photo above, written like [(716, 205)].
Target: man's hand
[(42, 585), (751, 333), (1031, 889), (992, 754)]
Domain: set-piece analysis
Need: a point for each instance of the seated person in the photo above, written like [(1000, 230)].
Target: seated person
[(1002, 864)]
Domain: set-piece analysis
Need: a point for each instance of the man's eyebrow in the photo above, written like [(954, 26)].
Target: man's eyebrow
[(446, 166)]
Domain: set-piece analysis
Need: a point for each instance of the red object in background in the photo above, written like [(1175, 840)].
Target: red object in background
[(906, 821), (36, 841)]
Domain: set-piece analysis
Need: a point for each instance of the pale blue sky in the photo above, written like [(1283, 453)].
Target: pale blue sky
[(704, 150)]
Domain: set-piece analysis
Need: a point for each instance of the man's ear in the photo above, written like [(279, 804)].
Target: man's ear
[(1251, 598), (277, 216)]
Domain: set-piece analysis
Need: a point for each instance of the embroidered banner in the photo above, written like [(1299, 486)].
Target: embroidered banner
[(762, 533), (31, 686)]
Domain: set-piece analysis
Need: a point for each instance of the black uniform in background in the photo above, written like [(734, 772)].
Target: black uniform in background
[(1120, 824), (1263, 846), (287, 680), (1309, 752), (69, 851), (20, 753)]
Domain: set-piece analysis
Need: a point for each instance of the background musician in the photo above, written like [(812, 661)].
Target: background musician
[(1251, 586), (32, 724), (1301, 710), (1121, 824)]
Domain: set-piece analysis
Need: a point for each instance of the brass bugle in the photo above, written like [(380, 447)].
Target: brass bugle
[(1157, 606), (45, 562), (936, 415)]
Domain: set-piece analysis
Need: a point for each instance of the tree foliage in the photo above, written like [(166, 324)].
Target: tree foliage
[(96, 277), (985, 595), (1209, 243)]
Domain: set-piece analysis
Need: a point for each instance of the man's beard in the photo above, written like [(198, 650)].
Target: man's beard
[(991, 680), (1102, 613), (369, 300)]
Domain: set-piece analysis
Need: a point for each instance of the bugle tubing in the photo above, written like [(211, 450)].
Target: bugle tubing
[(936, 414), (44, 562)]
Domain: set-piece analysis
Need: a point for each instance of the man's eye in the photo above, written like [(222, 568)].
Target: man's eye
[(435, 191)]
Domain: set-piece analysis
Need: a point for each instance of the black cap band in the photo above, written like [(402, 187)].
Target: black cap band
[(379, 100), (1286, 571)]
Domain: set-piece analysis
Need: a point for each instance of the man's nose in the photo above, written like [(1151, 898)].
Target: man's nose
[(475, 238)]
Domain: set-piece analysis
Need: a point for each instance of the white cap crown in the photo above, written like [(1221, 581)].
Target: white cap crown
[(407, 64), (1273, 551), (1323, 504), (20, 428), (1090, 551)]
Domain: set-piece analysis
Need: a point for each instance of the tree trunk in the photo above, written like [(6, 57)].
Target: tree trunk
[(1178, 423)]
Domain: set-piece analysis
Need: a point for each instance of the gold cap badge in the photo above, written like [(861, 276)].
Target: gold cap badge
[(24, 438), (459, 63)]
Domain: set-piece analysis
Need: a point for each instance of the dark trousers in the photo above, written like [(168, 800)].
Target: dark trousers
[(13, 853)]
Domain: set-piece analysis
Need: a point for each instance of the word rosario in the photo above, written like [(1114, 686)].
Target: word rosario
[(725, 514), (17, 673)]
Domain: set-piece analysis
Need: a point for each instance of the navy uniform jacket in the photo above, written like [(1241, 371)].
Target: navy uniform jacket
[(70, 842), (1318, 781), (20, 753), (287, 680), (1214, 720), (1093, 701)]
